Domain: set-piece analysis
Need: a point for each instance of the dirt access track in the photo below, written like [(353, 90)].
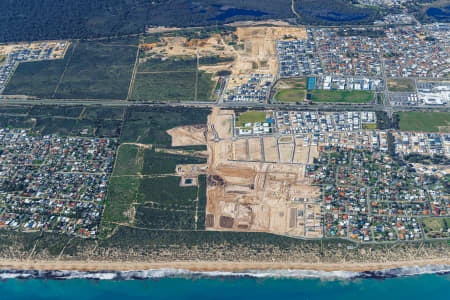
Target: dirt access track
[(247, 195)]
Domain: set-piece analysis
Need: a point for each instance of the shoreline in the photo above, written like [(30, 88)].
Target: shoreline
[(205, 266)]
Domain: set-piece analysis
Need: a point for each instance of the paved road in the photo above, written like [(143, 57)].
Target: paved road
[(320, 107)]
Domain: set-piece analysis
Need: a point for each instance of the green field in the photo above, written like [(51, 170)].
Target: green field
[(152, 202), (99, 70), (148, 125), (369, 126), (141, 124), (205, 86), (290, 95), (176, 63), (103, 112), (2, 59), (172, 207), (401, 85), (425, 121), (341, 96), (172, 79), (90, 70), (64, 120), (291, 83), (165, 163), (250, 117), (214, 60), (436, 227), (129, 160), (38, 78), (122, 192), (175, 86)]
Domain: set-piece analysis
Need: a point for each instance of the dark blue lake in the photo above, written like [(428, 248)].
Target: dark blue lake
[(441, 14), (233, 12)]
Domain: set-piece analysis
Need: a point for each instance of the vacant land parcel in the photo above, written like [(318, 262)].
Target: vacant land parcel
[(146, 192), (290, 95), (99, 70), (64, 120), (401, 85), (89, 70), (341, 96), (149, 124), (172, 79), (38, 78), (425, 121)]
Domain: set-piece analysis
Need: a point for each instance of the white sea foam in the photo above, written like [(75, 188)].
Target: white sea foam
[(257, 274)]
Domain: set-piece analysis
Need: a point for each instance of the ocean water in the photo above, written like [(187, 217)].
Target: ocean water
[(185, 285)]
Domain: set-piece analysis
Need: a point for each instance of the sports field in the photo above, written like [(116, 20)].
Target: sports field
[(290, 95), (341, 96), (251, 117), (425, 121)]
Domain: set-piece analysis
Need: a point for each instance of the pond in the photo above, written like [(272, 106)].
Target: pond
[(441, 14), (233, 12)]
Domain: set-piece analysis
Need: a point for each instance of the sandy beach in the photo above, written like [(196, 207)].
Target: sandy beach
[(208, 266)]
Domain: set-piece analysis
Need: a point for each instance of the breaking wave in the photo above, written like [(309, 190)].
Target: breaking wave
[(256, 274)]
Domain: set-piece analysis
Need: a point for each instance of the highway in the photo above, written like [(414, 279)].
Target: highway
[(228, 105)]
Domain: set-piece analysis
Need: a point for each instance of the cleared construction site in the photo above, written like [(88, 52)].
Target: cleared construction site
[(254, 183), (258, 183)]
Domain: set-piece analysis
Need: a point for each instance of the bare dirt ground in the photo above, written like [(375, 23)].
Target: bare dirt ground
[(240, 150), (270, 149), (223, 125), (246, 195), (254, 149), (286, 152), (301, 154), (188, 135), (259, 47), (253, 50), (313, 153)]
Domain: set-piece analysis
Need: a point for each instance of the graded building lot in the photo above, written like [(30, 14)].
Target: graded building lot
[(286, 152), (401, 85), (254, 149), (224, 126), (270, 149), (301, 154), (240, 150)]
